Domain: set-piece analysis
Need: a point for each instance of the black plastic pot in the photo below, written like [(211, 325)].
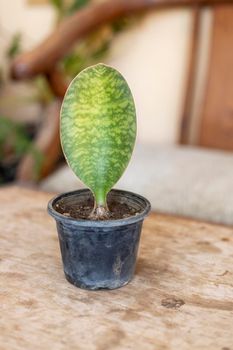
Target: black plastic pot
[(99, 254)]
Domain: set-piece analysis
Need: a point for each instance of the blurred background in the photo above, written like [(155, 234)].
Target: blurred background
[(177, 57)]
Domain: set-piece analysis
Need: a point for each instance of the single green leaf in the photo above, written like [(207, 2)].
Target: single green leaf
[(15, 46), (76, 5), (98, 128)]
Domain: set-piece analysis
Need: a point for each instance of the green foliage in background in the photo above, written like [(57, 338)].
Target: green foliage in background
[(98, 128), (66, 8), (91, 49), (15, 46), (95, 46), (15, 141)]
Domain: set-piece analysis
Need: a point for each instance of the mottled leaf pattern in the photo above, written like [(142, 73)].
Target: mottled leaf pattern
[(98, 128)]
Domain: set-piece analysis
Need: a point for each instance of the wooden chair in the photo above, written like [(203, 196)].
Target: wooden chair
[(216, 120)]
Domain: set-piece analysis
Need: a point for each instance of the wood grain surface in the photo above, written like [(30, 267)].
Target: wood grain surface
[(181, 296)]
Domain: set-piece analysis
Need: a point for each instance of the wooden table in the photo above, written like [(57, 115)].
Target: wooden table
[(180, 298)]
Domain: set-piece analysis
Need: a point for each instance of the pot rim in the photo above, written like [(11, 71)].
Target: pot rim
[(94, 223)]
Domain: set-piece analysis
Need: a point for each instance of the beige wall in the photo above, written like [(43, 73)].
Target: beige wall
[(152, 56), (35, 22)]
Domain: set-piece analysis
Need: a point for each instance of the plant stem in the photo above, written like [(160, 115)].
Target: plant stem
[(99, 213)]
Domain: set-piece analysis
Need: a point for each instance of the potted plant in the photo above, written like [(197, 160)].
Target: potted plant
[(98, 228)]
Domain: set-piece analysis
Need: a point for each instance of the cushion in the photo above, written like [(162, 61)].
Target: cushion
[(179, 180)]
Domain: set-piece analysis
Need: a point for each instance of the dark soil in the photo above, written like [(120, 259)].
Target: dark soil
[(82, 211)]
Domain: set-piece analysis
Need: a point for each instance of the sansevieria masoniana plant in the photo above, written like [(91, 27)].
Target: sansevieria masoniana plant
[(98, 130), (99, 245)]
